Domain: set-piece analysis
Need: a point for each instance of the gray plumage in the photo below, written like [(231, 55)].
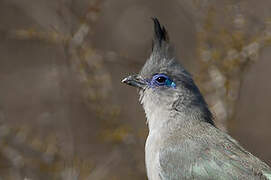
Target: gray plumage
[(183, 142)]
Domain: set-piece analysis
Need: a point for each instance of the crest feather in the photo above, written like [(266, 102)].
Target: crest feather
[(160, 33)]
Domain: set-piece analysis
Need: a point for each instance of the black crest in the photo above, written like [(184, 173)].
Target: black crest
[(160, 33)]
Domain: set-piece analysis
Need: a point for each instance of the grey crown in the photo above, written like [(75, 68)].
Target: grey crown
[(183, 142)]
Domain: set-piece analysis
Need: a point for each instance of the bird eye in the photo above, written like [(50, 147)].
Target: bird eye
[(161, 79)]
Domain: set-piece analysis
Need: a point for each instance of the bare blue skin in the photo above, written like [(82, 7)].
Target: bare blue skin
[(183, 142)]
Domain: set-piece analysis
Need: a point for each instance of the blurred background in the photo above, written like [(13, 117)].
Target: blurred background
[(64, 113)]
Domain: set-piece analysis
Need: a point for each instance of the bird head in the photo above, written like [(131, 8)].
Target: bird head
[(163, 83)]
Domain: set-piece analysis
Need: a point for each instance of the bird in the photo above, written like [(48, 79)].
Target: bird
[(183, 141)]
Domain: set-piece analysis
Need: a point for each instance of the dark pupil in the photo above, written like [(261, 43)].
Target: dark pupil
[(161, 79)]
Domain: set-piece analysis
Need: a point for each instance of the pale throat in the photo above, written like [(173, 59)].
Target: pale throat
[(161, 113), (158, 109)]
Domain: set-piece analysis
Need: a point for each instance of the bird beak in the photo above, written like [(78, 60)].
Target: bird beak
[(135, 80)]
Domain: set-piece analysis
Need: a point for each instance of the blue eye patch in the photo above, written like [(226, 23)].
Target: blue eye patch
[(162, 80)]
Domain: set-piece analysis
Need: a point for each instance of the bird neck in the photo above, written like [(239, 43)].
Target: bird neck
[(171, 120), (175, 114)]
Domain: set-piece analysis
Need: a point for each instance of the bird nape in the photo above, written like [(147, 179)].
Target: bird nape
[(183, 142)]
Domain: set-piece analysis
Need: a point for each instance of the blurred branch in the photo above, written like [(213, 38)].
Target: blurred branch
[(226, 51), (102, 170)]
